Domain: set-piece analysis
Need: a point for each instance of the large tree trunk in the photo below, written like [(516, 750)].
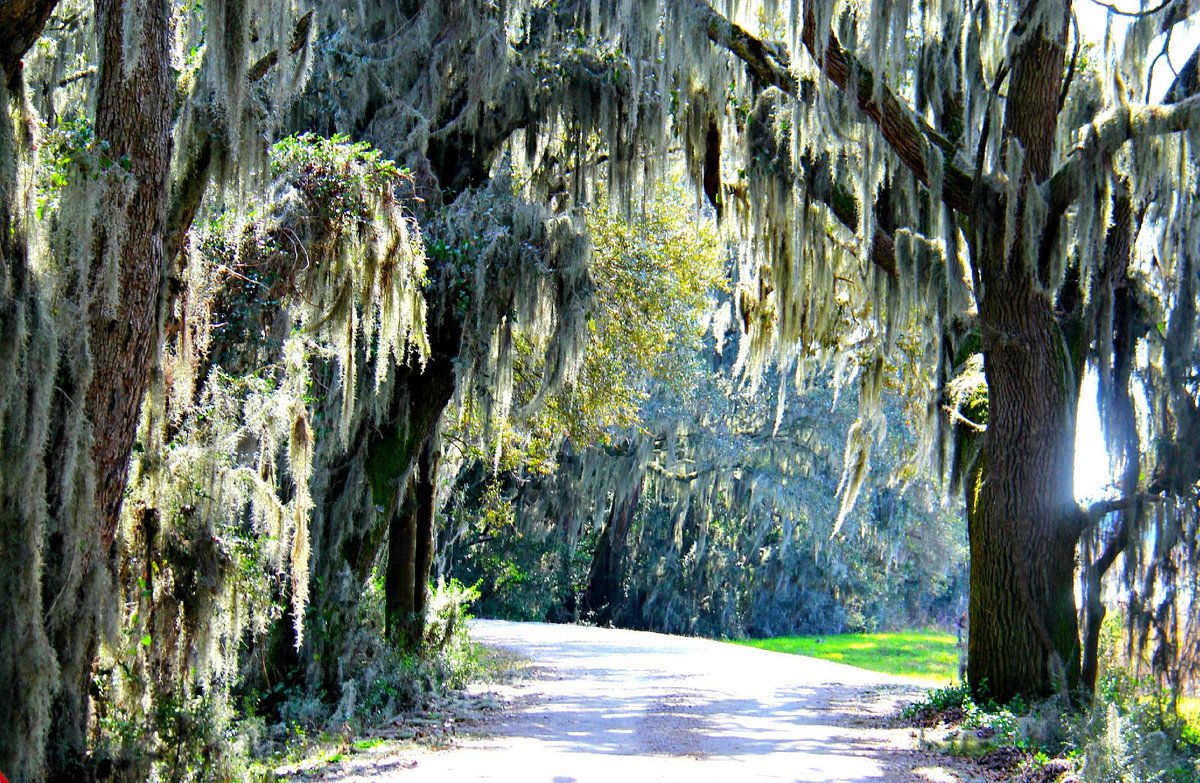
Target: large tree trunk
[(1024, 523), (22, 22), (133, 114), (410, 551), (408, 448), (426, 528), (600, 600), (400, 577)]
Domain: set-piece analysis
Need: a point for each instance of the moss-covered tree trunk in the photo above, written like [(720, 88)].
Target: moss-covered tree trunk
[(426, 497), (601, 599), (28, 354), (134, 101), (400, 577), (1024, 522), (407, 451), (411, 536)]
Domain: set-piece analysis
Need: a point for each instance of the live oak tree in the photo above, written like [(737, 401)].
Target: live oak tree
[(981, 179), (1021, 203), (285, 275), (91, 383)]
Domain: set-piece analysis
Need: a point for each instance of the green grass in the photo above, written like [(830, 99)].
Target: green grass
[(926, 656)]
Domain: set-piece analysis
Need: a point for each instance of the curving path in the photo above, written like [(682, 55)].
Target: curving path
[(631, 707)]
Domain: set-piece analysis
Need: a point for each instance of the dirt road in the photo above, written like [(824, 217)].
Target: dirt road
[(629, 707)]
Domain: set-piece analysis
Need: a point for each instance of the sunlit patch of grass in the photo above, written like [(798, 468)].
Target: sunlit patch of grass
[(1189, 710), (368, 743), (925, 656)]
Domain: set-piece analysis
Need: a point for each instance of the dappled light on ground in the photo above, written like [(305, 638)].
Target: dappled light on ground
[(628, 706)]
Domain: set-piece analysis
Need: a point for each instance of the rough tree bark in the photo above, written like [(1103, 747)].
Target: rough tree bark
[(1024, 629), (22, 22), (1023, 519), (133, 114), (1024, 522), (601, 598), (407, 449), (400, 577)]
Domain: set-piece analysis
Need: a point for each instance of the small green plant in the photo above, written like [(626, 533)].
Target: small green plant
[(71, 153), (938, 700), (994, 720), (446, 636), (368, 743)]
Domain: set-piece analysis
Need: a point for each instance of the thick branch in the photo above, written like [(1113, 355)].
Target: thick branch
[(1164, 17), (1187, 82), (188, 191), (1102, 508), (769, 63), (675, 475), (910, 138), (1107, 134), (21, 22), (846, 209), (269, 60), (771, 66)]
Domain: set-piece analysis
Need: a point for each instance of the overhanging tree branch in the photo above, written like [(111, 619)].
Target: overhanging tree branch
[(911, 138), (1164, 17), (1107, 134), (1102, 508), (21, 22), (770, 65), (1187, 81), (768, 62)]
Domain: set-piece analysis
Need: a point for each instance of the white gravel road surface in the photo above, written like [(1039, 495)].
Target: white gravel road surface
[(627, 707)]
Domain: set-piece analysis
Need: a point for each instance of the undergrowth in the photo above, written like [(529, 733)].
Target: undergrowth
[(1131, 732), (390, 693)]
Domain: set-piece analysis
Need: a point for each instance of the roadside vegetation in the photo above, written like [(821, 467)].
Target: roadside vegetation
[(401, 702), (1133, 730), (709, 317)]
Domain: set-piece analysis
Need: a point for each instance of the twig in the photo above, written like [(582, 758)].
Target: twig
[(1112, 9), (954, 414), (1066, 88)]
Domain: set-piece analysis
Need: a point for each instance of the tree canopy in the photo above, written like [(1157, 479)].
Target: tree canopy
[(259, 264)]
